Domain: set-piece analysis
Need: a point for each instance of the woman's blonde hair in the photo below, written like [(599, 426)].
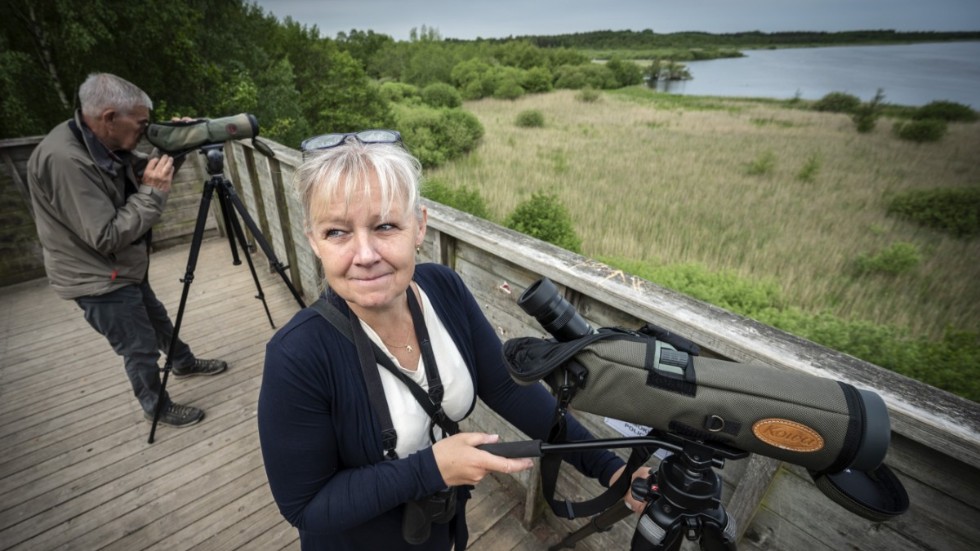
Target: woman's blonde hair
[(349, 167)]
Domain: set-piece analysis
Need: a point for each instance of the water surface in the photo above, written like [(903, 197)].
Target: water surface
[(913, 74)]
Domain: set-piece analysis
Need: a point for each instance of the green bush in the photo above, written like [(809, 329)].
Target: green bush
[(810, 169), (896, 259), (866, 115), (537, 80), (576, 77), (398, 92), (531, 118), (626, 72), (764, 164), (588, 95), (508, 88), (954, 211), (948, 111), (474, 78), (441, 94), (838, 102), (920, 131), (544, 217), (463, 198), (435, 136)]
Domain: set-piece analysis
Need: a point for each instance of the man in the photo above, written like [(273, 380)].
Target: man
[(95, 200)]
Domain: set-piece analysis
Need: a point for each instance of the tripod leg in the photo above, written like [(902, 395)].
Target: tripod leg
[(202, 215), (232, 221), (718, 531), (263, 244), (599, 523), (229, 231)]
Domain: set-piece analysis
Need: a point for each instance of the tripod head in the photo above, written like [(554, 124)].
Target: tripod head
[(215, 158), (684, 497)]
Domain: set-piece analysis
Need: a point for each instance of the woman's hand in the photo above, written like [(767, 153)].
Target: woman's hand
[(631, 502), (461, 463)]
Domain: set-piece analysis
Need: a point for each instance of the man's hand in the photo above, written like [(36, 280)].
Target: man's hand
[(159, 173)]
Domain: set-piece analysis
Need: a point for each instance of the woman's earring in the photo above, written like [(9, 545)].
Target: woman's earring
[(418, 249)]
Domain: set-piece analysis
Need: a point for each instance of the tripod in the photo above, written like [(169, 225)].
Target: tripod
[(682, 498), (227, 199)]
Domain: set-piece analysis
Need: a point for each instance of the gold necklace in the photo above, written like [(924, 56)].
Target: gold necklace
[(407, 346)]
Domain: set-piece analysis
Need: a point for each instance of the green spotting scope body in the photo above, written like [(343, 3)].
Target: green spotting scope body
[(180, 136)]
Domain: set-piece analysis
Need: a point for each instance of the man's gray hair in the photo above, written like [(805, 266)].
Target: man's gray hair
[(102, 91)]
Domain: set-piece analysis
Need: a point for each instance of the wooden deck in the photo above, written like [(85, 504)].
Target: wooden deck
[(76, 471)]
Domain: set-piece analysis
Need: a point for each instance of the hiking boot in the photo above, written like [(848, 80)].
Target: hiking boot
[(177, 415), (201, 367)]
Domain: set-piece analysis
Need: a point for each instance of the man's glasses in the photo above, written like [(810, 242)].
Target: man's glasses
[(326, 141)]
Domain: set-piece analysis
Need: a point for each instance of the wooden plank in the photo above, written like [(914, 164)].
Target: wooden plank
[(77, 472)]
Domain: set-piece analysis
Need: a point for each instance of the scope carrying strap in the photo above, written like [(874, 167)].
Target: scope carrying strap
[(370, 355), (574, 376)]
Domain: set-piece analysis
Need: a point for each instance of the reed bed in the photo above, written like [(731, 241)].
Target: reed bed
[(767, 192)]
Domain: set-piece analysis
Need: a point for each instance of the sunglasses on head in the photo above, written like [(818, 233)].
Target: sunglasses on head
[(326, 141)]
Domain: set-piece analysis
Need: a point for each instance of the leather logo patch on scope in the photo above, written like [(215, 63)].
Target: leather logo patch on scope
[(788, 435)]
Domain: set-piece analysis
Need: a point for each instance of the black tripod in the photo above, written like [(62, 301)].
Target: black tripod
[(227, 198), (682, 498)]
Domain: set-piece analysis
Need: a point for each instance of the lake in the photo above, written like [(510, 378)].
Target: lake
[(912, 74)]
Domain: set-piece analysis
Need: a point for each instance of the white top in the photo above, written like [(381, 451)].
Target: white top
[(410, 421)]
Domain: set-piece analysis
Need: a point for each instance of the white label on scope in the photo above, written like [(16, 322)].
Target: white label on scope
[(635, 430)]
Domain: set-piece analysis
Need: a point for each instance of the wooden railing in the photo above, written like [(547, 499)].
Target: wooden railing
[(935, 447)]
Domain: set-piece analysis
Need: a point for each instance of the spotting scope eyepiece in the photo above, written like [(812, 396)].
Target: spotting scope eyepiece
[(543, 302)]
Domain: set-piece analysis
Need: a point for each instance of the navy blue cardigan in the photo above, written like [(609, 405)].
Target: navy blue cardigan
[(321, 441)]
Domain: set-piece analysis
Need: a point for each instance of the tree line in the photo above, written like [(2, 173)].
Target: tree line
[(212, 58), (648, 39)]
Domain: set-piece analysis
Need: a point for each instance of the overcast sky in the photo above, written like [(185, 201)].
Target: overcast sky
[(468, 19)]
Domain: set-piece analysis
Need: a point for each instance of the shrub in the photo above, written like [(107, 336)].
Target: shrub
[(838, 102), (762, 165), (576, 77), (474, 78), (441, 94), (531, 118), (866, 115), (810, 169), (920, 131), (397, 92), (587, 95), (544, 217), (435, 136), (954, 211), (537, 80), (947, 111), (508, 88), (463, 198), (896, 259), (625, 72)]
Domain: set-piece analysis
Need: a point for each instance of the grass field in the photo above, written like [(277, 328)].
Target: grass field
[(754, 188)]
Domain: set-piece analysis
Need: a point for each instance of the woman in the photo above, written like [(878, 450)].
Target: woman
[(328, 468)]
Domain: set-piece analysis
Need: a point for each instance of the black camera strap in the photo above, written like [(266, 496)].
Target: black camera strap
[(551, 464), (370, 355), (573, 375)]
